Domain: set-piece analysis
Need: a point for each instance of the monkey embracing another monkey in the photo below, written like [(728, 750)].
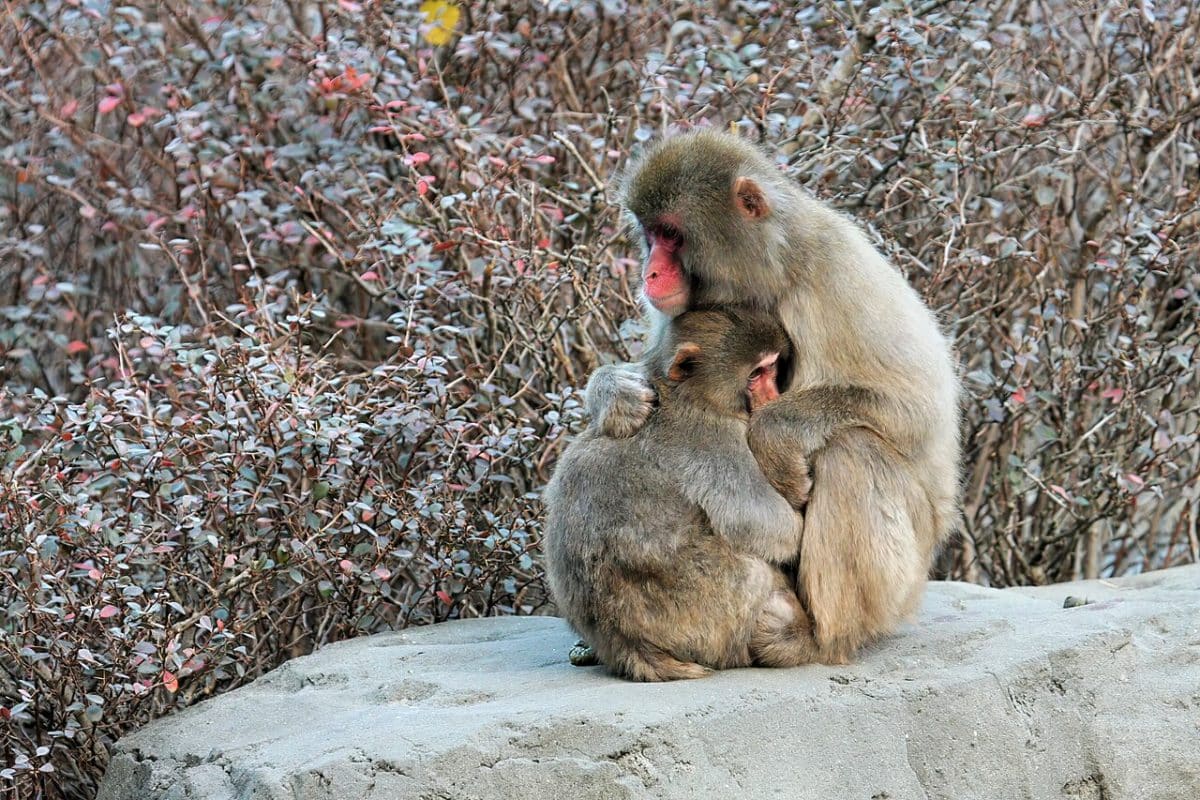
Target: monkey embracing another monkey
[(663, 548), (873, 403)]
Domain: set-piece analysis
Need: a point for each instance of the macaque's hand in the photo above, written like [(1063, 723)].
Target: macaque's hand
[(619, 400), (780, 459)]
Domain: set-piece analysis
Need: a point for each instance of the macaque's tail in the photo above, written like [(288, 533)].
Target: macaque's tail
[(648, 663)]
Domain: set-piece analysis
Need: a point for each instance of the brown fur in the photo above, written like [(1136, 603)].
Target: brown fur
[(873, 403), (663, 548)]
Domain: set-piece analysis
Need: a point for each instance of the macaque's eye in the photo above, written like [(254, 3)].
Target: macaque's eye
[(670, 233)]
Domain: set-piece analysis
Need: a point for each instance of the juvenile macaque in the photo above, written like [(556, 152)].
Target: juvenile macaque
[(873, 403), (664, 548)]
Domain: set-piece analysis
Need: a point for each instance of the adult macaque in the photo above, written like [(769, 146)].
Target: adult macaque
[(873, 401), (664, 548)]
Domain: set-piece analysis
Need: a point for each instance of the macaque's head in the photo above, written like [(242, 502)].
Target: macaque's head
[(729, 361), (706, 205)]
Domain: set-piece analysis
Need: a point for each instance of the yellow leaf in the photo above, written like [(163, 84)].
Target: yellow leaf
[(441, 17)]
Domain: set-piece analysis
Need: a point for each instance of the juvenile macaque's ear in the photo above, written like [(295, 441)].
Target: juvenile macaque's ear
[(750, 198), (683, 365)]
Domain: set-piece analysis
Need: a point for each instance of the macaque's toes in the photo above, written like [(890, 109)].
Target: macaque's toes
[(582, 655)]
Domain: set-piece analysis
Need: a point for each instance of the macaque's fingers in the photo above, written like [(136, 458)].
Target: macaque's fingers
[(619, 400)]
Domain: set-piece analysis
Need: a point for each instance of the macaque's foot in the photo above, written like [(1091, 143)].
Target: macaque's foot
[(582, 655)]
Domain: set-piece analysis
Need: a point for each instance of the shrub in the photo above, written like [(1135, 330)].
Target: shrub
[(299, 303)]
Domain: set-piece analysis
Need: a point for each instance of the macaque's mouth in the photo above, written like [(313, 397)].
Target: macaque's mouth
[(670, 302)]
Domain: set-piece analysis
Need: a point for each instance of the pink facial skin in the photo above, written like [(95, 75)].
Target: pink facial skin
[(663, 281), (763, 386)]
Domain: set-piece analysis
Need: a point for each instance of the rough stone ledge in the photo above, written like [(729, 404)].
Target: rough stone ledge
[(991, 695)]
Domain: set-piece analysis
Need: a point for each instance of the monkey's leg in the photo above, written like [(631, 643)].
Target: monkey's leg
[(783, 635), (861, 565), (618, 399)]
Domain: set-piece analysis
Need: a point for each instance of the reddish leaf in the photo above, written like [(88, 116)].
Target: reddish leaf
[(444, 597), (170, 681), (69, 108), (108, 104), (109, 611), (1018, 396), (1114, 394), (76, 347), (369, 275)]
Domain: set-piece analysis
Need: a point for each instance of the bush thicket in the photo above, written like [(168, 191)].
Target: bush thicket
[(297, 299)]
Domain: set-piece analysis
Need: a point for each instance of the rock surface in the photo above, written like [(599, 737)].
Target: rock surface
[(990, 694)]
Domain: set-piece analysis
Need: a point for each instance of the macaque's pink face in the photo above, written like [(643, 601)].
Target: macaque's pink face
[(664, 282), (764, 384)]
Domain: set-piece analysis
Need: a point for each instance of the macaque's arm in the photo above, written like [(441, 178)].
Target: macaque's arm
[(740, 504), (619, 400), (806, 419)]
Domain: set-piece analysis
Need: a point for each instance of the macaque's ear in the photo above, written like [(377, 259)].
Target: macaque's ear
[(683, 365), (750, 198)]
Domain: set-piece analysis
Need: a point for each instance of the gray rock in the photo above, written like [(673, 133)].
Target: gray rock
[(990, 694)]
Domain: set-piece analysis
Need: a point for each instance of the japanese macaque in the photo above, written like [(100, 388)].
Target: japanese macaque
[(873, 403), (665, 549)]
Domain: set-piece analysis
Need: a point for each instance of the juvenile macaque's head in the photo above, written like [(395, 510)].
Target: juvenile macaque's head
[(706, 205), (730, 362)]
